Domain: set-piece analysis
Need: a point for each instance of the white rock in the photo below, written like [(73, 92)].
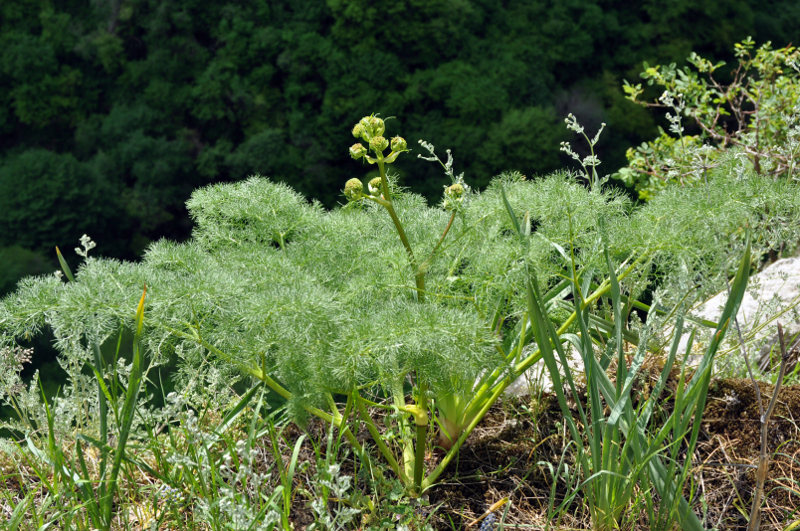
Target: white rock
[(537, 377), (772, 296)]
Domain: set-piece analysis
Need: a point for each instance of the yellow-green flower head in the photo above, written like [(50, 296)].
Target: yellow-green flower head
[(378, 143), (374, 186), (455, 190), (366, 128), (354, 189), (453, 196), (399, 144), (377, 125), (358, 130), (358, 150)]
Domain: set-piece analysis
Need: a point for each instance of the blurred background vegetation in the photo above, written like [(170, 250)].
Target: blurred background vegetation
[(112, 111)]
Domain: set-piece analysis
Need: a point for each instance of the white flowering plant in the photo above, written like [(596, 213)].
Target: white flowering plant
[(751, 108)]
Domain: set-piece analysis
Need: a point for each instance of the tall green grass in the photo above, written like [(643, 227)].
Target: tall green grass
[(89, 483), (622, 454)]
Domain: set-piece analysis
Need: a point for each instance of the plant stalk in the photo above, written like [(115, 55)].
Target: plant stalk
[(754, 522), (419, 456), (427, 263), (376, 436), (420, 414), (419, 276), (398, 396)]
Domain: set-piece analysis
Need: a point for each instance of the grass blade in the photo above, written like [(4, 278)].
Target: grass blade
[(64, 265), (128, 408), (20, 511), (510, 210)]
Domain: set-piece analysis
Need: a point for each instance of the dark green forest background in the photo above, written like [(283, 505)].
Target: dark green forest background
[(113, 111)]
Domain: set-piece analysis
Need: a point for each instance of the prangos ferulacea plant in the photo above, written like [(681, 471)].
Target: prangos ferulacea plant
[(328, 309), (405, 319)]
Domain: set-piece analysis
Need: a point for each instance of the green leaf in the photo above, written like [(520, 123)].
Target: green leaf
[(64, 265)]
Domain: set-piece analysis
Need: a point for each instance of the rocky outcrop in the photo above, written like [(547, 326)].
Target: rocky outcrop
[(772, 297)]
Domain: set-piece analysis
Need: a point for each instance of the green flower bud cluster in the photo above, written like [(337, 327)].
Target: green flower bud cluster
[(374, 186), (399, 144), (357, 150), (354, 189), (454, 196), (370, 129), (378, 144)]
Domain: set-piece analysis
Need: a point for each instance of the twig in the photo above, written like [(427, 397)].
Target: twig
[(763, 458)]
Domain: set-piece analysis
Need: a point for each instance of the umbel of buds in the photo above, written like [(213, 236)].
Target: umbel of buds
[(378, 125), (453, 196), (358, 150), (455, 190), (370, 129), (399, 144), (374, 186), (378, 144), (354, 189)]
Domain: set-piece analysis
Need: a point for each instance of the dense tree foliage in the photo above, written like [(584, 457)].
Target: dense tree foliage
[(112, 112)]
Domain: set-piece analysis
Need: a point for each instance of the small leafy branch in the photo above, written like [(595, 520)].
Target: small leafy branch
[(591, 160), (756, 113)]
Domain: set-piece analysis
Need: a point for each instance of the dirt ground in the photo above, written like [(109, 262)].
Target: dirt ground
[(508, 456), (517, 448)]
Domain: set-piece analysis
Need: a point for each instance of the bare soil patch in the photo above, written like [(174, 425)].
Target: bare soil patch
[(508, 455)]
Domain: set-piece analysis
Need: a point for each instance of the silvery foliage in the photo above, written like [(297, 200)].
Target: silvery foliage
[(12, 361), (329, 476), (239, 496)]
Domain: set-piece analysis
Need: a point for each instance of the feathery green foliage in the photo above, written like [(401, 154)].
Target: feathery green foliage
[(386, 307)]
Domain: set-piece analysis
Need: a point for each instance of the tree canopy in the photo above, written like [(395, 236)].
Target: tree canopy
[(112, 112)]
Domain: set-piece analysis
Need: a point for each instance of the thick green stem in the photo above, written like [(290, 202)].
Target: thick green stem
[(419, 457), (398, 397), (419, 276), (420, 414), (421, 420)]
